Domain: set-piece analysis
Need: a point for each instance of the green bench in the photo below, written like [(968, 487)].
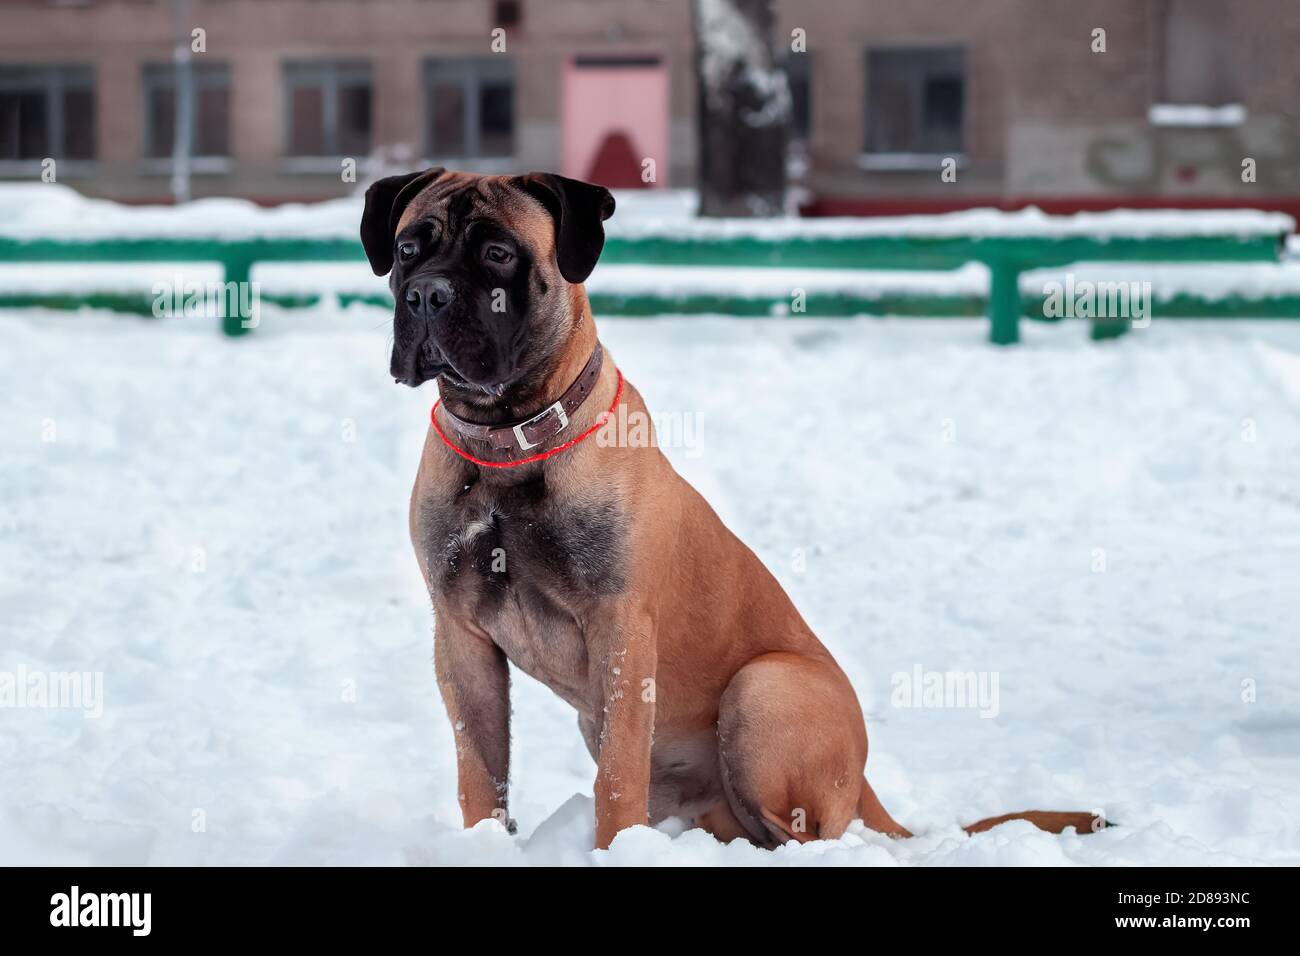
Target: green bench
[(1008, 243), (236, 256)]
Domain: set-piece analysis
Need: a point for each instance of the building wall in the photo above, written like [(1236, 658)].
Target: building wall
[(1049, 117), (1044, 115), (256, 37), (839, 32)]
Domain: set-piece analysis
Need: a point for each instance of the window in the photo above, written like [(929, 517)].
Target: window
[(470, 107), (798, 73), (507, 14), (210, 132), (1197, 59), (328, 108), (916, 101), (47, 111)]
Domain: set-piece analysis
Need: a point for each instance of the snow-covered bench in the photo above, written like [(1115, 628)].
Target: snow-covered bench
[(49, 223), (1008, 243), (42, 223)]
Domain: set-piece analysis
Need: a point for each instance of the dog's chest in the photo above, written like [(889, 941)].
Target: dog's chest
[(527, 566)]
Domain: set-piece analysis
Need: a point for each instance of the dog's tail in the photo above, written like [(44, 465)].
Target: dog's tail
[(877, 818)]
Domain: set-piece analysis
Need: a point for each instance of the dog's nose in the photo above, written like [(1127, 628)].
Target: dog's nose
[(425, 296)]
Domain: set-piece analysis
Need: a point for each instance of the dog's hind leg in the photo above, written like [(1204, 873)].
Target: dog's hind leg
[(792, 746)]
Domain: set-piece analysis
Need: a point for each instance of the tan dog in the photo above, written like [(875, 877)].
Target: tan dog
[(699, 689)]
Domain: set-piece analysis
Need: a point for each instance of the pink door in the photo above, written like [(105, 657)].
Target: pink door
[(614, 118)]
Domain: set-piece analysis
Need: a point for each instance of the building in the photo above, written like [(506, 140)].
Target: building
[(1175, 102), (1036, 109)]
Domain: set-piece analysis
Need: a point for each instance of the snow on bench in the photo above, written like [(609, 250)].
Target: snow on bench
[(1030, 223), (1253, 281), (48, 222)]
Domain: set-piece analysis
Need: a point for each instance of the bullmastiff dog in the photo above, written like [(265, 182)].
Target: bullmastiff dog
[(591, 565)]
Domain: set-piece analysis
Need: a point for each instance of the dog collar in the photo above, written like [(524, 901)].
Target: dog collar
[(525, 435)]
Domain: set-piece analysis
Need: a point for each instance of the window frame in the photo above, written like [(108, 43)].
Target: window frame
[(162, 76), (53, 81), (876, 159), (469, 73), (330, 76)]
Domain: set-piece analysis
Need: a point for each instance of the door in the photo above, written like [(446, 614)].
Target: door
[(615, 117)]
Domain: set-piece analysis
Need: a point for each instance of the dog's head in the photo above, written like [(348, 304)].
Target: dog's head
[(481, 269)]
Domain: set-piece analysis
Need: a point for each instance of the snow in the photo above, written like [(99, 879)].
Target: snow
[(62, 278), (280, 278), (311, 278), (202, 532), (1196, 115), (899, 162), (1215, 282), (971, 279), (30, 210), (729, 40), (1030, 222), (1211, 281)]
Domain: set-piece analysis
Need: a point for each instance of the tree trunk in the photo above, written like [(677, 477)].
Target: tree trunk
[(744, 109)]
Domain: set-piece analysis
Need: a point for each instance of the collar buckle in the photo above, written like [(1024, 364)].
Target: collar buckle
[(557, 408)]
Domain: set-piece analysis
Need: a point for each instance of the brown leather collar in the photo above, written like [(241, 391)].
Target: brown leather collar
[(542, 427)]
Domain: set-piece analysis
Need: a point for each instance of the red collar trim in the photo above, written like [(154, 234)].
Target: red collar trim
[(604, 417)]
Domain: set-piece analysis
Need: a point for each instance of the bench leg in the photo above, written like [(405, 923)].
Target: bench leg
[(239, 269), (1004, 304), (1103, 329)]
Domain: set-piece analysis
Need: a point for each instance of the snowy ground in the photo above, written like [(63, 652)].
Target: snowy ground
[(219, 528)]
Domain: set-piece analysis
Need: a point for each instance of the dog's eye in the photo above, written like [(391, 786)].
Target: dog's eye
[(498, 254), (407, 249)]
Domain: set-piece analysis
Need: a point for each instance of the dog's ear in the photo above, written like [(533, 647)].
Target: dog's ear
[(386, 199), (578, 209)]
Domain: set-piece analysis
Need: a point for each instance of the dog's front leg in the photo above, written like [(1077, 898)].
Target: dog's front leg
[(623, 661), (475, 682)]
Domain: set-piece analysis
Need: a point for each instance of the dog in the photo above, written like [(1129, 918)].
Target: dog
[(593, 566)]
